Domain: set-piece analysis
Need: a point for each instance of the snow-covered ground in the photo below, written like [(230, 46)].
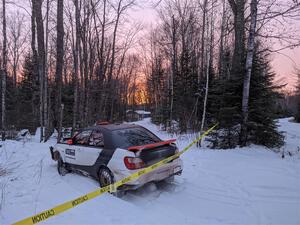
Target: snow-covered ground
[(242, 186)]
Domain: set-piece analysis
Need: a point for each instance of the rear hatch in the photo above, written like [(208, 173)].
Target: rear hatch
[(154, 155)]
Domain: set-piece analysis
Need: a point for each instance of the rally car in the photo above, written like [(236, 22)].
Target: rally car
[(110, 152)]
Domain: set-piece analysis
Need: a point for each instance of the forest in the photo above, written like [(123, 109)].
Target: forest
[(70, 63)]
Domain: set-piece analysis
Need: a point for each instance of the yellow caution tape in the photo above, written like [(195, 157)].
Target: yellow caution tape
[(112, 188)]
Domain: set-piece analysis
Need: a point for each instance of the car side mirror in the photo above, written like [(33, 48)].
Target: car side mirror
[(70, 141)]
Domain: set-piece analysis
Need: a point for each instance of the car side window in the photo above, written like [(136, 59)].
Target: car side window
[(82, 138), (96, 139)]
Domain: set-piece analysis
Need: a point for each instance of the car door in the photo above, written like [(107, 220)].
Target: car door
[(73, 152), (90, 148)]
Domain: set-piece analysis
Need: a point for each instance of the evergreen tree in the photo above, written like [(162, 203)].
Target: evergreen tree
[(11, 103), (263, 95), (227, 98), (185, 89), (28, 97)]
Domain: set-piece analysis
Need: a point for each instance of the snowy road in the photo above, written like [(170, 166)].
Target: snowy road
[(242, 186)]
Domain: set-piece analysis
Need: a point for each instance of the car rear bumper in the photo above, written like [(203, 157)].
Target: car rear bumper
[(163, 172)]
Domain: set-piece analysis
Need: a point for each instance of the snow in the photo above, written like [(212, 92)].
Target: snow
[(140, 112), (251, 185), (292, 137)]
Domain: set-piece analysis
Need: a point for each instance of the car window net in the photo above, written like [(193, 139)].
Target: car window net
[(83, 137), (97, 139)]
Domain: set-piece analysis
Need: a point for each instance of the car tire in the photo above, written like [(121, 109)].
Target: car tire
[(61, 167), (106, 178)]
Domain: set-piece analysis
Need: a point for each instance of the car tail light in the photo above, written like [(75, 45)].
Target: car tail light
[(133, 163)]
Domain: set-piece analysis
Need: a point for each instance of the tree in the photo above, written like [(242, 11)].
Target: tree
[(121, 8), (76, 62), (262, 128), (46, 123), (27, 100), (3, 70), (238, 59), (37, 7), (208, 66), (59, 64), (247, 77), (18, 43)]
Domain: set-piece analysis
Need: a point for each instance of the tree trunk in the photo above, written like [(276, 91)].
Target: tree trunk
[(202, 72), (76, 57), (221, 52), (45, 105), (247, 78), (59, 63), (4, 71), (35, 66), (174, 69), (37, 4), (112, 63), (238, 9), (208, 61), (100, 56)]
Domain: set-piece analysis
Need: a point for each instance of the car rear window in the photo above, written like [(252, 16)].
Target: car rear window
[(136, 136)]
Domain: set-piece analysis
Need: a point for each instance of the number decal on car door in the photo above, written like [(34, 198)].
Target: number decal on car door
[(70, 152)]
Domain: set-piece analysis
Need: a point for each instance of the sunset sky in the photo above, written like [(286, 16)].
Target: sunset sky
[(283, 62)]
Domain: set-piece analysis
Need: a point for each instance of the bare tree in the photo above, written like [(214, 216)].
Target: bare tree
[(76, 63), (209, 56), (204, 18), (3, 70), (121, 8), (238, 9), (59, 63), (45, 91), (174, 66), (18, 40), (247, 77), (37, 5)]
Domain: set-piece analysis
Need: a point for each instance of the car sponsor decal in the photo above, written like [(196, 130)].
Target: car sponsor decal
[(70, 152), (110, 188)]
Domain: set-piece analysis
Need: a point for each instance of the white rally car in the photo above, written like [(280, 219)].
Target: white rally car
[(110, 152)]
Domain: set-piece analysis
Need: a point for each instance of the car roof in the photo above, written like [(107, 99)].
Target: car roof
[(107, 129), (112, 127)]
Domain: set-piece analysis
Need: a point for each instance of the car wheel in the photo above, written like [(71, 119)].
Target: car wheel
[(61, 167), (106, 178)]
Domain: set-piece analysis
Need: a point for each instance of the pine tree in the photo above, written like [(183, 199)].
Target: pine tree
[(225, 99), (226, 95), (28, 96), (263, 95)]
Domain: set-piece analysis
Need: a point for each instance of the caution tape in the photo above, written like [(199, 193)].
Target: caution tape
[(44, 215)]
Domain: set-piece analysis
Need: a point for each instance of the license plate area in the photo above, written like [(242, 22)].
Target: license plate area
[(177, 169)]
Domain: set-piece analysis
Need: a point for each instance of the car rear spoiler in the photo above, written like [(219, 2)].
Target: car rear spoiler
[(148, 146)]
